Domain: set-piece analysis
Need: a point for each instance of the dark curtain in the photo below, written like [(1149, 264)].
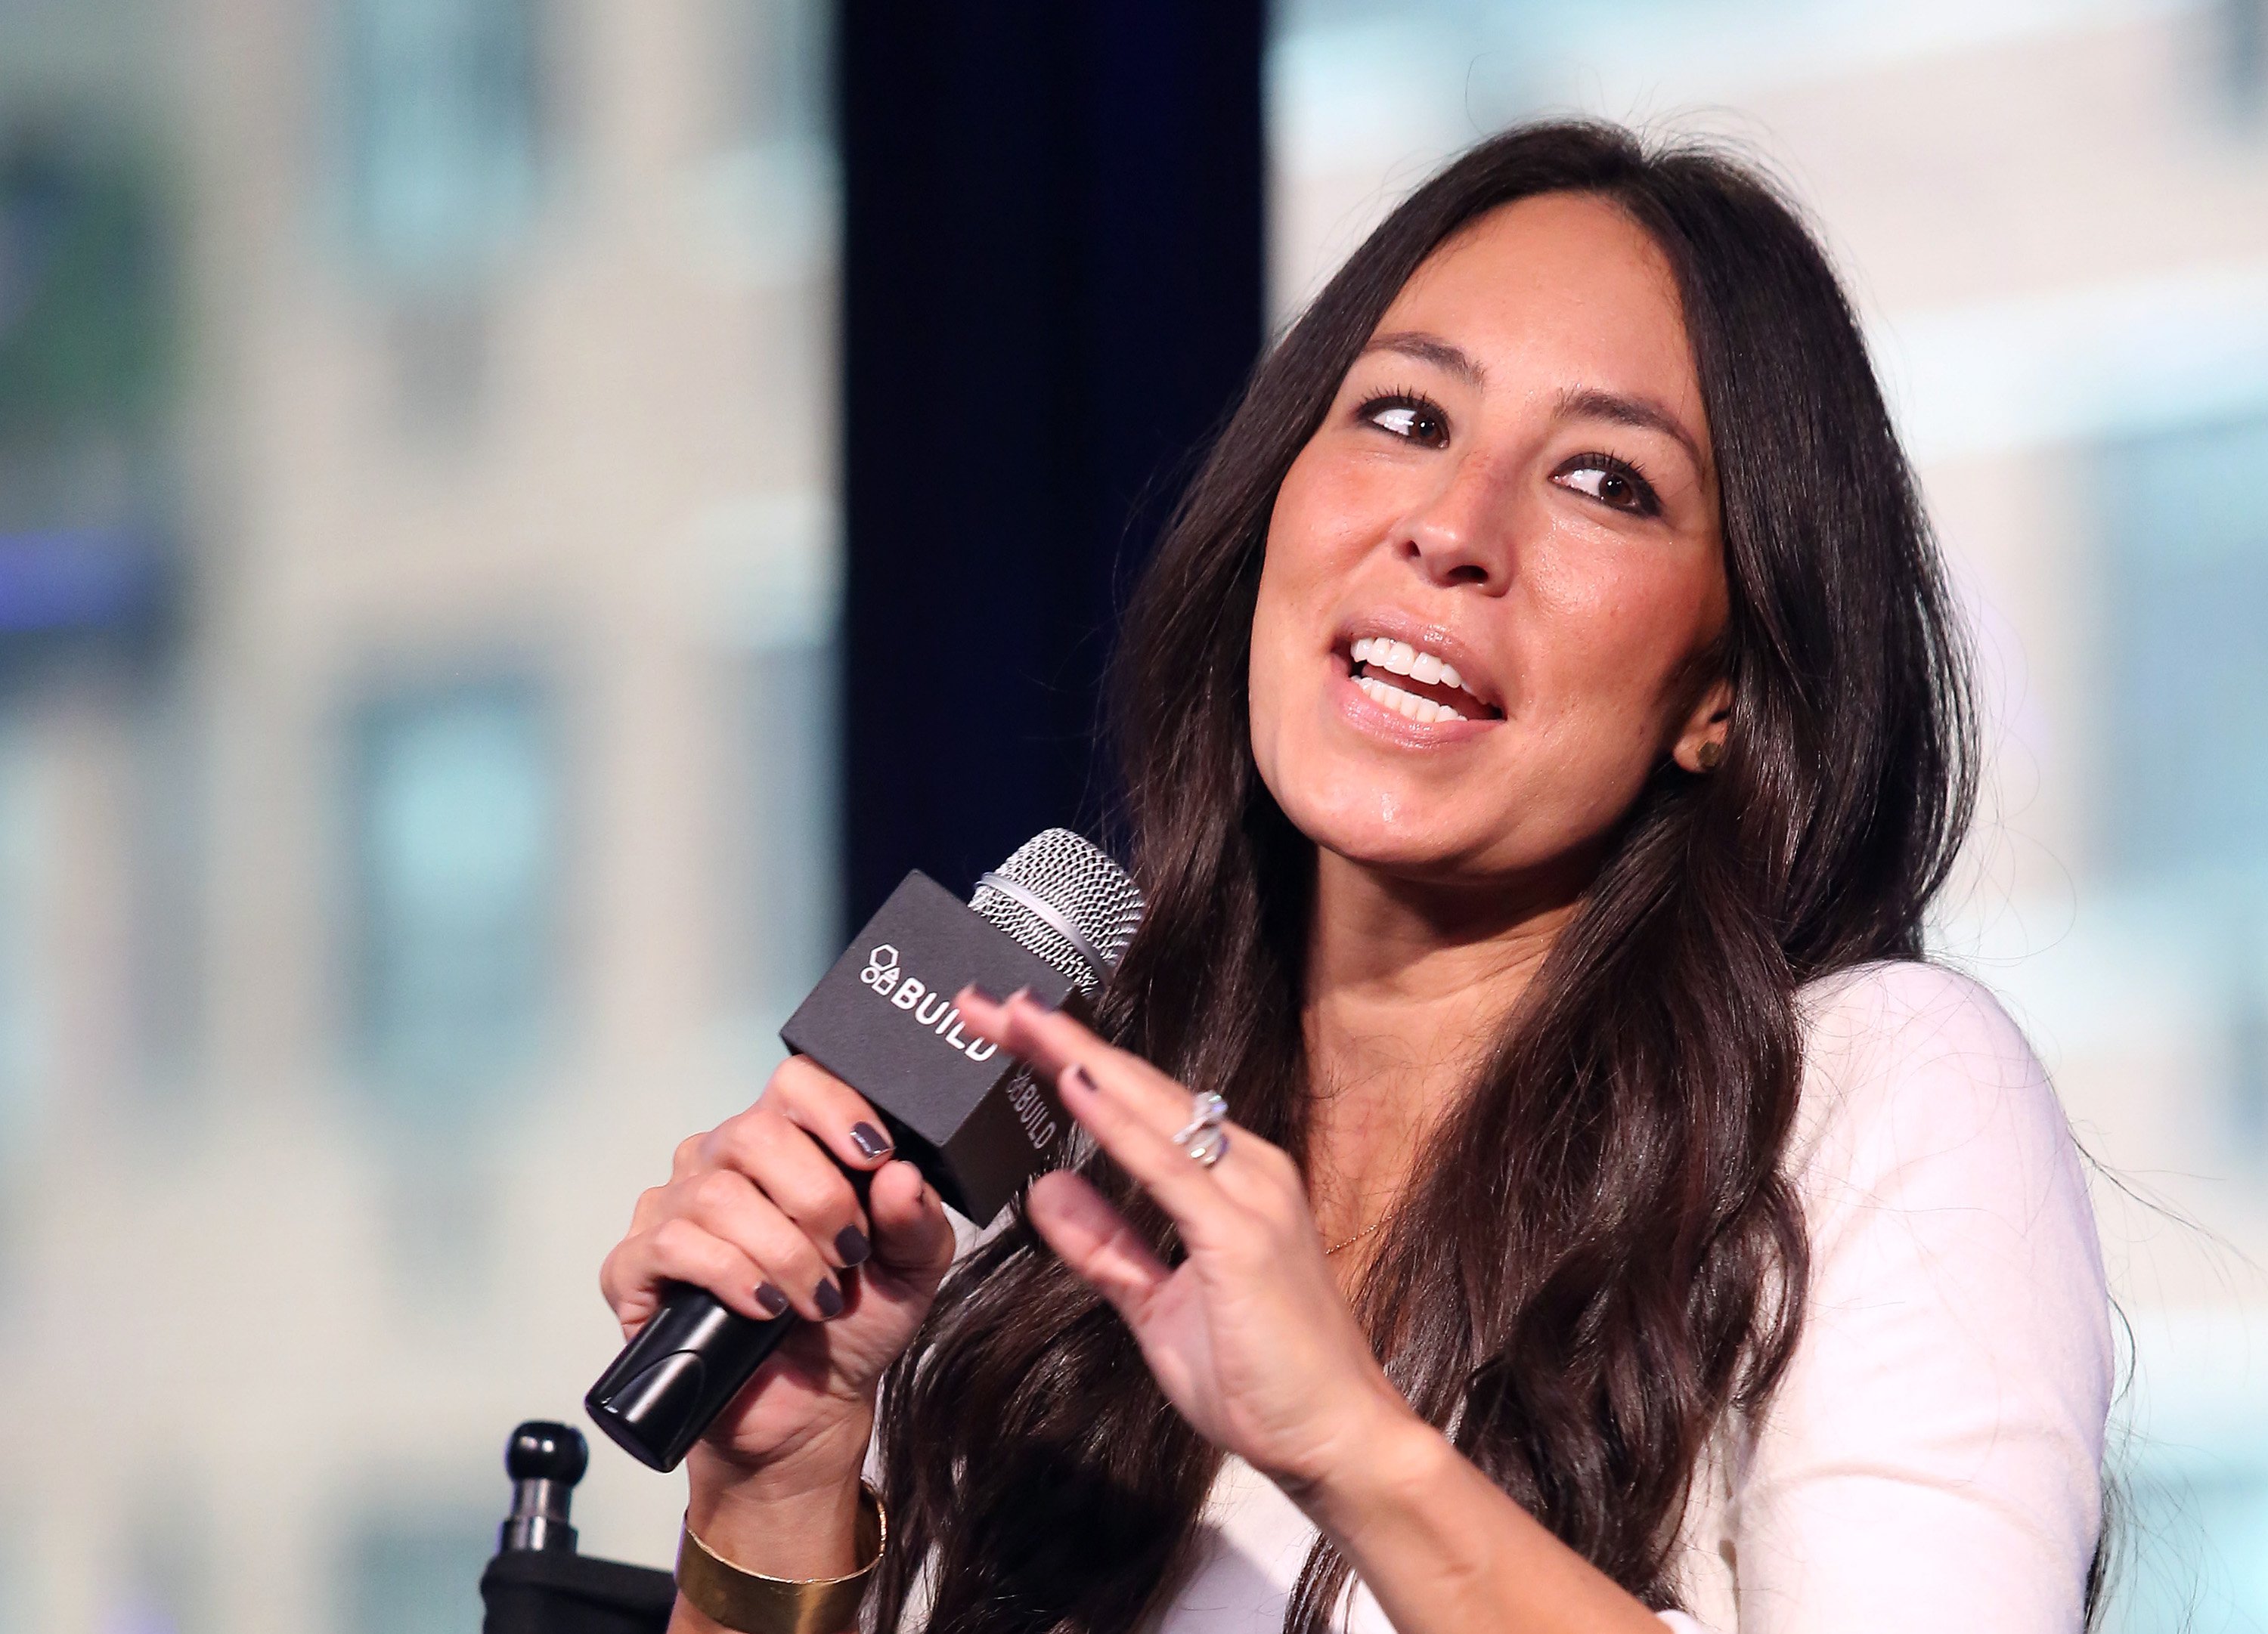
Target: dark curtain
[(1052, 291)]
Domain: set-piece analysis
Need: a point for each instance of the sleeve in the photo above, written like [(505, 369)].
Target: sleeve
[(1932, 1459)]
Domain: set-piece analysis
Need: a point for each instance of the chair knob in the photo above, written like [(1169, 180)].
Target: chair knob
[(540, 1450), (544, 1461)]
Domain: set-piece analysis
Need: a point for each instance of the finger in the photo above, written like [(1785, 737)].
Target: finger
[(913, 1237), (634, 1277), (837, 1115), (1095, 1239), (1132, 1109), (1258, 1174), (793, 1169), (730, 1206), (1050, 1040), (798, 1273), (1185, 1189)]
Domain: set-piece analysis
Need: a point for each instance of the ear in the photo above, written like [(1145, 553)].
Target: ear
[(1701, 742)]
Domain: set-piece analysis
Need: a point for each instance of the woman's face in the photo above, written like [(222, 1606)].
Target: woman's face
[(1494, 573)]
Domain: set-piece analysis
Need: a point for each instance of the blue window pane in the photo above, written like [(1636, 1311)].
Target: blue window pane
[(456, 820), (441, 131), (797, 886), (420, 1575), (2186, 790), (2194, 1555), (786, 54)]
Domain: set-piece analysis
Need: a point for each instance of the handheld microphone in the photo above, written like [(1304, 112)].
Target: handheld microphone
[(1055, 917)]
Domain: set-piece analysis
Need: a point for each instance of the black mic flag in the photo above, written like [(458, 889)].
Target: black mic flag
[(1054, 918)]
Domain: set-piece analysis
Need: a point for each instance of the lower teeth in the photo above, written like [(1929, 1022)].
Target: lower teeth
[(1407, 705)]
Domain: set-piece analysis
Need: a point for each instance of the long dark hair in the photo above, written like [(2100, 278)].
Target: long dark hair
[(1606, 1257)]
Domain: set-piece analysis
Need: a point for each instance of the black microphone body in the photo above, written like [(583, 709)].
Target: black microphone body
[(976, 1125)]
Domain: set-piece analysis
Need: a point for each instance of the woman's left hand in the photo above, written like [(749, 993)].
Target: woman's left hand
[(1249, 1337)]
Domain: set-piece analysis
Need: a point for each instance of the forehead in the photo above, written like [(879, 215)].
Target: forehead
[(1557, 291)]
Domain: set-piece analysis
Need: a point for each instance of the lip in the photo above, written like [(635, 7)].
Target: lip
[(1375, 718)]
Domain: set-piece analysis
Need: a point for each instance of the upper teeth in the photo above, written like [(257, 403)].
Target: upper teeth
[(1401, 659), (1404, 659)]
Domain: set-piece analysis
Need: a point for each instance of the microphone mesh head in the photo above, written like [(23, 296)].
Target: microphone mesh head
[(1065, 901)]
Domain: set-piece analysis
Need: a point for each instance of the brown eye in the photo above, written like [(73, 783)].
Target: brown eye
[(1410, 418), (1610, 481)]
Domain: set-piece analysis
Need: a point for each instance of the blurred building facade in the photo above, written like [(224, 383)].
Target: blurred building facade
[(424, 827), (418, 580)]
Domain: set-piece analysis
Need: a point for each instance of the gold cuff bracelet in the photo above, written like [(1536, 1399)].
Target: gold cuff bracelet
[(755, 1604)]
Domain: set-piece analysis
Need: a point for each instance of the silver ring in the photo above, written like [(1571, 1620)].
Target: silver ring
[(1207, 1111), (1210, 1146)]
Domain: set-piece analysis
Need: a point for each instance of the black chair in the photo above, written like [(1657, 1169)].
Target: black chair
[(537, 1584)]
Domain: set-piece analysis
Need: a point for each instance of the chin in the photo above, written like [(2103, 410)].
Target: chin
[(1374, 829)]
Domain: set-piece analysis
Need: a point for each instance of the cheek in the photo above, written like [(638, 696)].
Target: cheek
[(1625, 635), (1276, 629), (1309, 548), (1264, 681), (1332, 505)]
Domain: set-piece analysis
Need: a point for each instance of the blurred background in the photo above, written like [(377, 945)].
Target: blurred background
[(518, 517)]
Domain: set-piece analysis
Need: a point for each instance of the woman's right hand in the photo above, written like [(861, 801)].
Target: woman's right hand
[(757, 1213)]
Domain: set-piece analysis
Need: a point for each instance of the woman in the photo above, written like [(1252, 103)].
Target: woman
[(1545, 727)]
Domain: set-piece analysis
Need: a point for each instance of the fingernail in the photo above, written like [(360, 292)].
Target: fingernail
[(1075, 1077), (869, 1140), (775, 1302), (982, 993), (829, 1298), (851, 1247)]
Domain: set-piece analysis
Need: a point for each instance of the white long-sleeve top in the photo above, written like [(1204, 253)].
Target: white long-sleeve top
[(1931, 1458)]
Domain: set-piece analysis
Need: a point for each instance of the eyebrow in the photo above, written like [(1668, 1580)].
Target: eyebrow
[(1593, 403), (1430, 349)]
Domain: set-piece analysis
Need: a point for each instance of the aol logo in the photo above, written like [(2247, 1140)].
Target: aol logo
[(881, 971)]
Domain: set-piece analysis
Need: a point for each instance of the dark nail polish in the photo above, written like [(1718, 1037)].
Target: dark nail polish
[(1075, 1077), (775, 1302), (851, 1247), (985, 993), (869, 1140), (829, 1298)]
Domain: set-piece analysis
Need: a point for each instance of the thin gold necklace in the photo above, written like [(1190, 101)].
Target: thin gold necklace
[(1376, 1224)]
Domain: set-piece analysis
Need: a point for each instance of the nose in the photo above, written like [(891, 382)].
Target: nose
[(1461, 532)]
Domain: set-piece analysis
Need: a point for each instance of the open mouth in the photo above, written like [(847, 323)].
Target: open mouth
[(1416, 684)]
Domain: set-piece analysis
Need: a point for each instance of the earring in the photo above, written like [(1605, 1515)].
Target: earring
[(1709, 754)]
